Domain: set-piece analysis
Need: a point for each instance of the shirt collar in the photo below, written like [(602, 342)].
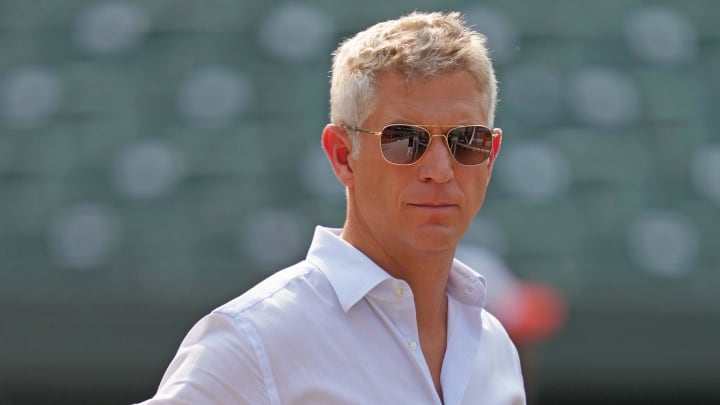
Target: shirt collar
[(466, 285), (353, 275)]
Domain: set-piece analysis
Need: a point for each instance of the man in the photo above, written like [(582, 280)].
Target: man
[(379, 312)]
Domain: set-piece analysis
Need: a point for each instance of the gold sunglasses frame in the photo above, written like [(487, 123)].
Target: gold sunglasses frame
[(424, 128)]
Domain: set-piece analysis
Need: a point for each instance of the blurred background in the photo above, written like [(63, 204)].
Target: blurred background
[(158, 157)]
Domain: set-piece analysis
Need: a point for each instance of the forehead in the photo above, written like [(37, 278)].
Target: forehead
[(452, 98)]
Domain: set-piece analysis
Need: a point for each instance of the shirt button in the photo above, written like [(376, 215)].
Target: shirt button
[(413, 345), (399, 291)]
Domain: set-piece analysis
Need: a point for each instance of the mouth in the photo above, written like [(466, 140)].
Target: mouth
[(433, 205)]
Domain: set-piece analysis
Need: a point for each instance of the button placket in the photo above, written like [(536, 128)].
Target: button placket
[(401, 310)]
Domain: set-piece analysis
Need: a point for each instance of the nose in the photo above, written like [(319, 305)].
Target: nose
[(437, 162)]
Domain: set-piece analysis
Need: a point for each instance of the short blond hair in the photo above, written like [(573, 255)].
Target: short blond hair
[(418, 45)]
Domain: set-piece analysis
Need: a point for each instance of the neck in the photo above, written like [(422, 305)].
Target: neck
[(430, 307), (426, 273), (425, 270)]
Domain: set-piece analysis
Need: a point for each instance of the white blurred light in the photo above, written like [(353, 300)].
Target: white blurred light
[(663, 243), (296, 32), (83, 236), (661, 35), (534, 171), (317, 175), (705, 172), (535, 92), (29, 96), (487, 232), (111, 27), (604, 97), (275, 236), (214, 95), (147, 169), (497, 27)]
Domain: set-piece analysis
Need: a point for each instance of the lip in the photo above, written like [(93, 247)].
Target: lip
[(433, 205)]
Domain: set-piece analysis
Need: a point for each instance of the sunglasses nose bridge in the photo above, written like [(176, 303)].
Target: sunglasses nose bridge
[(445, 141), (431, 136)]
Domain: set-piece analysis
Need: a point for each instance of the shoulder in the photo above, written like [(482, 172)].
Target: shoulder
[(497, 338), (283, 301), (494, 330), (301, 278), (497, 376), (490, 322), (225, 352)]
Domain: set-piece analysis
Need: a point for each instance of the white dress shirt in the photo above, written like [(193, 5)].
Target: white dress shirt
[(337, 329)]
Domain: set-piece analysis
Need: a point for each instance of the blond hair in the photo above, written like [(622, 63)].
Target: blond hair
[(418, 45)]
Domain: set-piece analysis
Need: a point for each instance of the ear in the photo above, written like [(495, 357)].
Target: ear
[(337, 146), (497, 141)]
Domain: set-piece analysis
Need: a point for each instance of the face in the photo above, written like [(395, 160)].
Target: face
[(426, 206)]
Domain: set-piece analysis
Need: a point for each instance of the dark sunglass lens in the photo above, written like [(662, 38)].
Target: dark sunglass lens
[(471, 145), (403, 144)]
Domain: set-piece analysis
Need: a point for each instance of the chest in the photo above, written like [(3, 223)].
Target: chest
[(369, 355)]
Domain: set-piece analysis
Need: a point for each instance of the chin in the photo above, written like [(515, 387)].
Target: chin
[(436, 238)]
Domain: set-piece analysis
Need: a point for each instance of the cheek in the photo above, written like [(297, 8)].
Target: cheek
[(380, 189), (370, 182), (377, 190), (475, 189)]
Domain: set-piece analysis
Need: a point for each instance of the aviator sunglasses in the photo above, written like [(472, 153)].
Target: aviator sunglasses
[(403, 144)]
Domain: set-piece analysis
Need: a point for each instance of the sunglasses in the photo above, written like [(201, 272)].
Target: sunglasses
[(402, 144)]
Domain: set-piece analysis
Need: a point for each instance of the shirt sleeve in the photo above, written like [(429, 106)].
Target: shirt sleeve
[(215, 364)]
